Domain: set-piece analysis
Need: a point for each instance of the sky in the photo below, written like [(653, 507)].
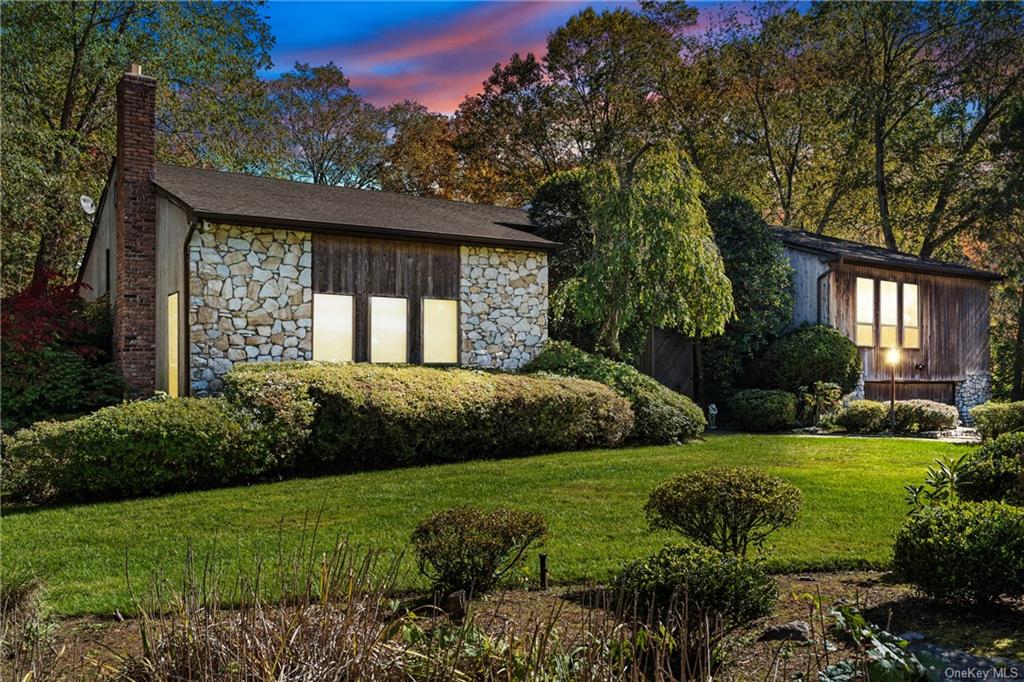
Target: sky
[(433, 52)]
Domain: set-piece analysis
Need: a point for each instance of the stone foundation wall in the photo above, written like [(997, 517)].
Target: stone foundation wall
[(974, 390), (250, 300), (503, 306)]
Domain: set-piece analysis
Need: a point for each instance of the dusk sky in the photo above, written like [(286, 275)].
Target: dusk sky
[(433, 52)]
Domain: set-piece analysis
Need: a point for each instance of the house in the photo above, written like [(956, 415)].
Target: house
[(205, 269), (935, 313)]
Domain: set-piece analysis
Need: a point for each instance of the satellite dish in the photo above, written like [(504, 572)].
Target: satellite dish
[(88, 205)]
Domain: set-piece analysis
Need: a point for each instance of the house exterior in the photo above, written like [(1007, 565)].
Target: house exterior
[(935, 313), (206, 269)]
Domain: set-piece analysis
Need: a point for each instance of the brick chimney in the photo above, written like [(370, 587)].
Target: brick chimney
[(135, 251)]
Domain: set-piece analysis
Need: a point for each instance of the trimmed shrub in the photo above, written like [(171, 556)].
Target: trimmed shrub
[(993, 419), (963, 552), (915, 416), (819, 402), (995, 471), (662, 415), (723, 507), (138, 448), (809, 354), (700, 594), (757, 409), (469, 549), (863, 416), (348, 416)]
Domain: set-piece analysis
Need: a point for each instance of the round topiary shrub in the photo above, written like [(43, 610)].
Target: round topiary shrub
[(917, 416), (994, 471), (700, 595), (810, 354), (963, 552), (993, 419), (723, 507), (466, 548), (759, 410), (863, 416)]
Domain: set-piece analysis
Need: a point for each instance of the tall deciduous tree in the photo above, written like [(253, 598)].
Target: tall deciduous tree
[(654, 262), (419, 157)]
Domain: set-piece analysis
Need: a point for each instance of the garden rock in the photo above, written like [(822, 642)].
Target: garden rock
[(793, 631)]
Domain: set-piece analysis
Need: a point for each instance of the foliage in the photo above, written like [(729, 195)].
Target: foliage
[(654, 261), (55, 354), (963, 552), (703, 595), (661, 414), (995, 471), (809, 354), (349, 416), (884, 657), (917, 416), (466, 548), (822, 401), (138, 448), (993, 419), (419, 157), (863, 416), (756, 265), (756, 409), (725, 508), (941, 484)]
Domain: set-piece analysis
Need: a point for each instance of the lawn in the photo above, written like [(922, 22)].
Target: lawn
[(853, 500)]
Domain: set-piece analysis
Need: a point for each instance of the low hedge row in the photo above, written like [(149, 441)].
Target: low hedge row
[(912, 416), (993, 419), (662, 415), (762, 410), (994, 471)]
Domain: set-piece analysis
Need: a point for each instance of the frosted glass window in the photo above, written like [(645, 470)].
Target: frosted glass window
[(865, 312), (388, 329), (440, 331), (332, 328), (888, 310), (911, 317), (172, 345)]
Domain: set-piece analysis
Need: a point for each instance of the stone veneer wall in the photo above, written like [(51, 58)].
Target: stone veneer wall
[(503, 306), (974, 390), (250, 300)]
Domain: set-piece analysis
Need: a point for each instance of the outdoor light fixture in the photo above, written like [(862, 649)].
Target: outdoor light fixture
[(892, 358)]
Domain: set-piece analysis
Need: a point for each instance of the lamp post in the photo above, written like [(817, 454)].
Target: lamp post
[(892, 358)]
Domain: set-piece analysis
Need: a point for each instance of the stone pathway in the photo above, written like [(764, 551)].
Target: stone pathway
[(953, 664)]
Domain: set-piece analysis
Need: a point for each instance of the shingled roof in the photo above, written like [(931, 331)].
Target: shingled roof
[(865, 254), (252, 200)]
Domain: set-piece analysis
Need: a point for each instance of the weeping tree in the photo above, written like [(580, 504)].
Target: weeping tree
[(653, 261)]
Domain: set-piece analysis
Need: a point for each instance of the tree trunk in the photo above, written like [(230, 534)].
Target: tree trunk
[(881, 187)]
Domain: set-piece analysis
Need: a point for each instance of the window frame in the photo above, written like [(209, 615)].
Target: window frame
[(174, 344), (423, 332), (352, 328), (369, 329), (903, 315), (857, 322), (897, 304)]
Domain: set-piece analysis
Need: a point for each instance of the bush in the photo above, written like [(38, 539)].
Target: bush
[(995, 471), (863, 416), (963, 552), (756, 409), (993, 419), (819, 402), (132, 449), (915, 416), (724, 508), (662, 415), (810, 354), (700, 594), (345, 416), (469, 549)]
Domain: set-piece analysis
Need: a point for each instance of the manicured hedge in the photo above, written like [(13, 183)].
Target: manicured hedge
[(992, 419), (345, 416), (662, 415), (761, 410), (916, 416), (132, 449), (810, 354), (863, 416), (995, 471)]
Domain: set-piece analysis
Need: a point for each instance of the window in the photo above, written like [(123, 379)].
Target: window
[(911, 317), (172, 345), (332, 327), (888, 309), (388, 329), (865, 335), (440, 331)]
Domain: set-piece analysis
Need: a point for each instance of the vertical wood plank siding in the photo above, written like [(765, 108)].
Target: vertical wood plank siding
[(364, 267), (954, 324)]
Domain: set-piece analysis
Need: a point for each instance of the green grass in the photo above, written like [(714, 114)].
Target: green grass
[(853, 500)]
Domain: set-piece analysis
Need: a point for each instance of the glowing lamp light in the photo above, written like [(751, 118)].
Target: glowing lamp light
[(892, 356)]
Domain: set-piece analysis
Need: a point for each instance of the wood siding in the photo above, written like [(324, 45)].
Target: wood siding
[(364, 267), (939, 391), (954, 325), (99, 271), (668, 357), (807, 267), (171, 232)]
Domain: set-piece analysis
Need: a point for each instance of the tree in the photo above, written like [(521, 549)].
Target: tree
[(337, 138), (420, 155), (756, 264), (654, 262), (59, 123)]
